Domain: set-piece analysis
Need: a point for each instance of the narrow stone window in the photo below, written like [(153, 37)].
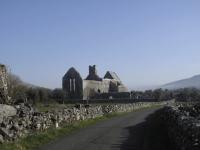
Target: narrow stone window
[(70, 84), (74, 82)]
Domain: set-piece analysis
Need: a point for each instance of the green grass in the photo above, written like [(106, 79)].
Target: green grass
[(52, 106)]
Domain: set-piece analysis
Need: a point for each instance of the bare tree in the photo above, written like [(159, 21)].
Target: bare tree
[(16, 87)]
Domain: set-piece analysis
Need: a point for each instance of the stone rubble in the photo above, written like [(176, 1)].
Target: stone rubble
[(183, 125), (22, 120), (6, 111)]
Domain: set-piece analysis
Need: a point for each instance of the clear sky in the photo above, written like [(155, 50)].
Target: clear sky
[(146, 42)]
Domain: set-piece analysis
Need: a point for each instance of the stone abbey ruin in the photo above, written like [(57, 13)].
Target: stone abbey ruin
[(93, 85)]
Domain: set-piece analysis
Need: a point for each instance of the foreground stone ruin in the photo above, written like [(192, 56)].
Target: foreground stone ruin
[(3, 84), (182, 122), (21, 120)]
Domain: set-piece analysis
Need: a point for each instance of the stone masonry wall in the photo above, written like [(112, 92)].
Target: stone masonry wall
[(183, 125), (21, 120), (91, 87)]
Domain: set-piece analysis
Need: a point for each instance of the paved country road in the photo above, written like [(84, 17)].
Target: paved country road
[(139, 130)]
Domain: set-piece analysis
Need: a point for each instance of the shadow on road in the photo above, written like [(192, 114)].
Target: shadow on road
[(148, 135)]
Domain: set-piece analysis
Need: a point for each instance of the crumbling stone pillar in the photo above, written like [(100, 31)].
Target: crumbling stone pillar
[(93, 74), (3, 85)]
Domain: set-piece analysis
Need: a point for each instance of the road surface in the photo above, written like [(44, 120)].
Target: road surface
[(139, 130)]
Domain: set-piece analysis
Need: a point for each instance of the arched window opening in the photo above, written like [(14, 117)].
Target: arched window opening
[(70, 84), (74, 82)]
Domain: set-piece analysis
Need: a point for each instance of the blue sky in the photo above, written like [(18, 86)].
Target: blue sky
[(147, 42)]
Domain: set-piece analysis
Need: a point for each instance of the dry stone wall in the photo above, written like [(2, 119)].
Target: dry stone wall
[(25, 120), (183, 125)]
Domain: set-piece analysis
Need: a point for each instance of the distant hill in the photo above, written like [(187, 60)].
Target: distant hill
[(185, 83)]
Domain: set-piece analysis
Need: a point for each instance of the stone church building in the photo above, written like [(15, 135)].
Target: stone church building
[(78, 88)]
